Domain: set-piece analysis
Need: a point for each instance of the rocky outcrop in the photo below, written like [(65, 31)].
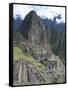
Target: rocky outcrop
[(34, 31), (33, 28)]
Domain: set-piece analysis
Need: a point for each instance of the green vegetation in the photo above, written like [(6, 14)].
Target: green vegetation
[(18, 37), (18, 54)]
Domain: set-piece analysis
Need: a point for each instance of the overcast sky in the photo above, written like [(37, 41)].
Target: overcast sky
[(42, 11)]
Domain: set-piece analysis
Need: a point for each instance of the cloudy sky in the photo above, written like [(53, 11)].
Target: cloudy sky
[(42, 11)]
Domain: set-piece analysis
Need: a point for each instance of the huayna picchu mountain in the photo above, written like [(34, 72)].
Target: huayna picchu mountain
[(34, 31), (33, 28), (34, 59)]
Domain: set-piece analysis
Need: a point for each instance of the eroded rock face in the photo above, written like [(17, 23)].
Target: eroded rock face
[(33, 28), (34, 31)]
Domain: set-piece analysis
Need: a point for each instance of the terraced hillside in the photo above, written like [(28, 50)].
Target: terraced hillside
[(28, 70)]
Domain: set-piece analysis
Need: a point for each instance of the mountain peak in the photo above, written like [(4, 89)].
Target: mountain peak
[(33, 28), (32, 15), (32, 12)]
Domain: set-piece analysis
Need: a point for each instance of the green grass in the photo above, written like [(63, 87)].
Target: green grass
[(18, 54)]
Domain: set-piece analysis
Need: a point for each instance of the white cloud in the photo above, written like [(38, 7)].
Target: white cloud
[(43, 11)]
